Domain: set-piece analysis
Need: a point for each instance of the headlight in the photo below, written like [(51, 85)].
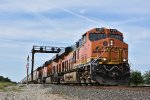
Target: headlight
[(104, 59), (124, 60), (111, 42)]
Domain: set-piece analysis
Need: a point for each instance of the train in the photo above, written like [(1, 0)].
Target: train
[(100, 56)]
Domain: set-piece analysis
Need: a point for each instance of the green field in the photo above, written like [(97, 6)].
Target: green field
[(3, 85)]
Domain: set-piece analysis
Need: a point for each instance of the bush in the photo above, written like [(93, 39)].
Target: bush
[(2, 79), (136, 78), (147, 77)]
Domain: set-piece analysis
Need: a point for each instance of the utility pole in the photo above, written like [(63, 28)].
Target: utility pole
[(27, 66)]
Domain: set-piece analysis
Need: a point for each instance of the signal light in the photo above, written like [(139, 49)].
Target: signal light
[(41, 49), (52, 48), (58, 49)]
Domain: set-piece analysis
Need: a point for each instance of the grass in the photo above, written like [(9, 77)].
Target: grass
[(4, 85)]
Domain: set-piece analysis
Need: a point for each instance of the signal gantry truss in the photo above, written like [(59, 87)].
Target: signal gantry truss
[(43, 49)]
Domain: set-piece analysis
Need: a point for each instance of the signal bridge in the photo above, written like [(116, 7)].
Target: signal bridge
[(43, 49)]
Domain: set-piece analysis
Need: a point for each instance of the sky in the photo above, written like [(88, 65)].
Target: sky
[(24, 23)]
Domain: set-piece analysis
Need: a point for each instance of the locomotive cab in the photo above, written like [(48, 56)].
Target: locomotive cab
[(108, 46)]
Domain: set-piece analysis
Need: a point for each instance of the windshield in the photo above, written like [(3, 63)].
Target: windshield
[(116, 36), (97, 36)]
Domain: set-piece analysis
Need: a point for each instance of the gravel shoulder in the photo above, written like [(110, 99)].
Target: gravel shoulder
[(31, 92), (62, 92)]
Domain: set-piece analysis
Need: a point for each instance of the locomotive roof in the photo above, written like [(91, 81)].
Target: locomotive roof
[(104, 30)]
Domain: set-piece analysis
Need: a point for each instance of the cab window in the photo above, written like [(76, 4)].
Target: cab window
[(84, 38), (97, 36), (116, 36)]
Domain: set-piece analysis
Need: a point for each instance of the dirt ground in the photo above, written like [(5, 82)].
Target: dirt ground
[(69, 92), (30, 92)]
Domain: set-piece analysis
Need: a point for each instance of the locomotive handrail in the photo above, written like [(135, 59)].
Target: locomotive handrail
[(97, 57), (95, 61)]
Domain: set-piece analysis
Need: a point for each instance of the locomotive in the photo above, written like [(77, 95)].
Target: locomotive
[(100, 56)]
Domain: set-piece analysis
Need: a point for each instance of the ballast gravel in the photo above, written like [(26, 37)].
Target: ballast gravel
[(84, 93)]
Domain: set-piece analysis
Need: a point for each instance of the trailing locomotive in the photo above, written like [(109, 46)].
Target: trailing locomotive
[(100, 56)]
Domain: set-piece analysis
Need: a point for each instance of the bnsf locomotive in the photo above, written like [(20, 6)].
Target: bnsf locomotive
[(100, 56)]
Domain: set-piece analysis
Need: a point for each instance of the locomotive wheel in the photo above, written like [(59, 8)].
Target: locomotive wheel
[(88, 81), (83, 82)]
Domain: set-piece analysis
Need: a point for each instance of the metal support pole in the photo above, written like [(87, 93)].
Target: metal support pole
[(27, 74), (27, 66), (32, 68)]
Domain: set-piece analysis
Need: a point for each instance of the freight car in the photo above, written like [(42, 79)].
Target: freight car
[(100, 56)]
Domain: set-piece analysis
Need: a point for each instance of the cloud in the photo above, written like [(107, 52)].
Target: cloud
[(107, 5), (80, 16)]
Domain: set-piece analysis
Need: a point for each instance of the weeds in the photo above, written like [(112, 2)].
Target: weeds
[(8, 86)]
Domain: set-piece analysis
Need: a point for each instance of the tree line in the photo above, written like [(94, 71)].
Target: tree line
[(137, 78), (3, 79)]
